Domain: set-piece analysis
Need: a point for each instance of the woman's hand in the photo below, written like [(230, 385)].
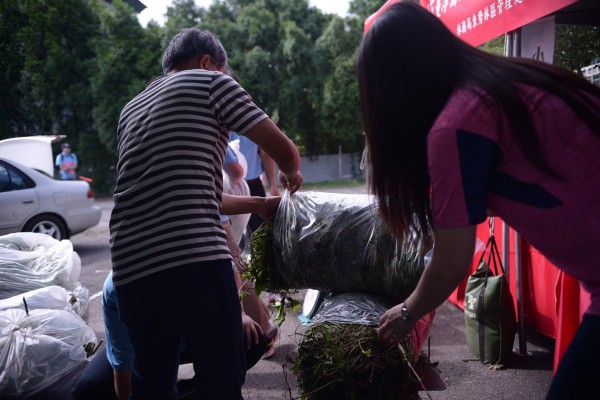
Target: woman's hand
[(392, 327), (292, 182), (269, 207)]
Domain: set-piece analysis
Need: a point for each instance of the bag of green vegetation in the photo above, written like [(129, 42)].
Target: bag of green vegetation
[(341, 357), (334, 243)]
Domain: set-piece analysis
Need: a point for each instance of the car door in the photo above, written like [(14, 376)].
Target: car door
[(18, 199)]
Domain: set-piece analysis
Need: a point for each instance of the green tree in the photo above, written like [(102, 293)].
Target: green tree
[(13, 19), (576, 46), (494, 46), (181, 14), (340, 107), (271, 44), (364, 8), (127, 57), (69, 66), (45, 58), (301, 92)]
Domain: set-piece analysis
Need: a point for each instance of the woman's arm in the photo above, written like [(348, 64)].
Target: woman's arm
[(452, 258), (266, 207)]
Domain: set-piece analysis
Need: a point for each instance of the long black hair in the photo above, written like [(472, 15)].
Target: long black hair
[(409, 64)]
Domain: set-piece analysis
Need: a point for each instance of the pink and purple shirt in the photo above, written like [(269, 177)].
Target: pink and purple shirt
[(477, 168)]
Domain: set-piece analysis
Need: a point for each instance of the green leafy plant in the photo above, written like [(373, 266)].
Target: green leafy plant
[(348, 361)]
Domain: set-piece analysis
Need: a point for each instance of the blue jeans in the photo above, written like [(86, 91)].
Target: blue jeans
[(197, 304), (579, 369)]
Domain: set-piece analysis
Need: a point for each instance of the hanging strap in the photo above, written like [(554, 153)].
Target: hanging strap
[(494, 261), (480, 317)]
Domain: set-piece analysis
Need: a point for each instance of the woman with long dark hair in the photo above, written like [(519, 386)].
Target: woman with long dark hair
[(455, 134)]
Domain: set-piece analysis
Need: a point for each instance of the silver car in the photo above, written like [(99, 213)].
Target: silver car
[(32, 201)]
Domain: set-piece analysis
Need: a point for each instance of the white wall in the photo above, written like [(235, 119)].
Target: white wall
[(333, 167)]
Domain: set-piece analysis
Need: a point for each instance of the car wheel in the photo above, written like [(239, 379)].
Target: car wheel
[(49, 225)]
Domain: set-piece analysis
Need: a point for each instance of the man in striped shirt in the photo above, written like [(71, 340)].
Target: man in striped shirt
[(171, 264)]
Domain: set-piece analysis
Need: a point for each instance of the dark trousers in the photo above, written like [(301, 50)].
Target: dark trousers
[(256, 189), (197, 304), (97, 380), (579, 369)]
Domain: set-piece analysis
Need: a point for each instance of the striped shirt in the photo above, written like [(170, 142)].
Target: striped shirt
[(171, 143)]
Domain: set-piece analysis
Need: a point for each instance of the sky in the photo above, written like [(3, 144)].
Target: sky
[(157, 8)]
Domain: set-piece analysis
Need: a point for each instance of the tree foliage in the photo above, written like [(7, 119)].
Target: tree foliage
[(494, 46), (576, 46), (126, 58), (69, 66), (45, 57)]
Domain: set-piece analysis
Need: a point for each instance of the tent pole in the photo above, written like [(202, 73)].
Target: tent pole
[(508, 44), (516, 52), (519, 278), (516, 43), (505, 250)]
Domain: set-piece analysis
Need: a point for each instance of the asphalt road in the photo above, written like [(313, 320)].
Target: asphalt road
[(456, 377)]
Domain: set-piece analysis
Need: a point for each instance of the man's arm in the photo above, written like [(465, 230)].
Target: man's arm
[(269, 167), (281, 149)]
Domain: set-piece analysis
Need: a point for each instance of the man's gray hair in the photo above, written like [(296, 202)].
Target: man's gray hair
[(191, 43)]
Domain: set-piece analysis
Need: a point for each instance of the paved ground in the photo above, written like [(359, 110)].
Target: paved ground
[(458, 376), (456, 379)]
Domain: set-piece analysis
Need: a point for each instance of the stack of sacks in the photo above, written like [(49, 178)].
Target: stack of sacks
[(44, 341)]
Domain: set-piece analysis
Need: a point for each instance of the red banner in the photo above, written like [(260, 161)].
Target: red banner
[(477, 21)]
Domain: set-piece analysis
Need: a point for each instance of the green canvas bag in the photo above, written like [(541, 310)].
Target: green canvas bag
[(489, 310)]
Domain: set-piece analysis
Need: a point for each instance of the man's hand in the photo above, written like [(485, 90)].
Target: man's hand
[(252, 330), (292, 182)]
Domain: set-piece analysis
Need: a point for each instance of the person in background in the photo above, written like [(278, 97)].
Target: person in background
[(172, 269), (66, 162), (259, 162), (482, 135), (252, 306)]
